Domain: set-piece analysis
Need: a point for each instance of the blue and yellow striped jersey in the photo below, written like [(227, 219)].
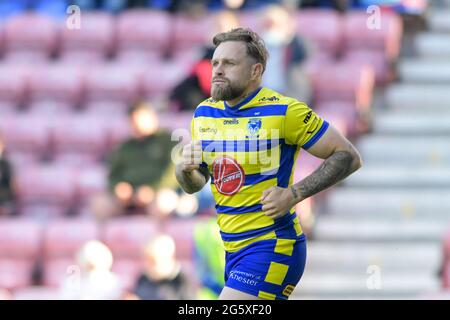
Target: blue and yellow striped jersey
[(249, 148)]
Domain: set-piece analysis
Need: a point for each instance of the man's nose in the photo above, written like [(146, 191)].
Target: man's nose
[(218, 71)]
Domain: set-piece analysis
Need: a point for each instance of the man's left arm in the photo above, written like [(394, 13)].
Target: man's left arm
[(341, 160)]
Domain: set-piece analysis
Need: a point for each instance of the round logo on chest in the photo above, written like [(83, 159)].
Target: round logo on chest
[(228, 175)]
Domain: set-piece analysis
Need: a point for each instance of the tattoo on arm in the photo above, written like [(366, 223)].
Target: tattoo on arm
[(333, 169)]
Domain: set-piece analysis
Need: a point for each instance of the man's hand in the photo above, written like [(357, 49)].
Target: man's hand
[(277, 201), (191, 156), (191, 177)]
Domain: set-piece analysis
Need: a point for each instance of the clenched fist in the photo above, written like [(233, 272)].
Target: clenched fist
[(191, 156)]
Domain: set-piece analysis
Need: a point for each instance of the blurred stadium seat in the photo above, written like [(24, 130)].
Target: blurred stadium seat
[(30, 37), (13, 87), (92, 42), (45, 190), (113, 82), (20, 245), (50, 83), (63, 237), (79, 139), (143, 34), (181, 230), (323, 28), (126, 236), (344, 82), (27, 138)]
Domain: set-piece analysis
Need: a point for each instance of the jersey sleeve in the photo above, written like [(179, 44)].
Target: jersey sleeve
[(303, 126)]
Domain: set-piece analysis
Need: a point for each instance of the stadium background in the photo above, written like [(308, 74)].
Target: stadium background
[(63, 100)]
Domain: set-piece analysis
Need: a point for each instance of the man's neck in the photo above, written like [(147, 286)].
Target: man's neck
[(249, 90)]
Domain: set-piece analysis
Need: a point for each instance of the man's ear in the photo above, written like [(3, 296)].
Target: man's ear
[(257, 70)]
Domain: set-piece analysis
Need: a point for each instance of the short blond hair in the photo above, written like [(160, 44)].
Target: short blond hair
[(256, 47)]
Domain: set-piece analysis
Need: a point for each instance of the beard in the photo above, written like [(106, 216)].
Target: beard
[(227, 91)]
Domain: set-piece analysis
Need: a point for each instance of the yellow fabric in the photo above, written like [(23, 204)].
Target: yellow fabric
[(277, 272), (284, 246), (266, 295)]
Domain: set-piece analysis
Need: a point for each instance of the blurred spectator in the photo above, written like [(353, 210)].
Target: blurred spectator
[(209, 259), (5, 295), (94, 279), (162, 277), (284, 71), (197, 86), (340, 5), (7, 202), (138, 168)]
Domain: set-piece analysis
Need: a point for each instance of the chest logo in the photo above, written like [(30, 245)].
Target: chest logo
[(253, 126), (228, 175)]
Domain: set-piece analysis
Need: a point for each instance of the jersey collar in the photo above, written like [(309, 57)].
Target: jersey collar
[(243, 102)]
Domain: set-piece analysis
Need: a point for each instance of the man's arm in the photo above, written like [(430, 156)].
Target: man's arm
[(191, 177), (341, 159)]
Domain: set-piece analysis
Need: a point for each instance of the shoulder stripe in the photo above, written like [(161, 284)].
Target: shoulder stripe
[(264, 111), (317, 136)]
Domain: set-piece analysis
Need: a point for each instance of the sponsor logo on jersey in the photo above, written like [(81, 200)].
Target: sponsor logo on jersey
[(228, 175), (233, 121), (272, 98)]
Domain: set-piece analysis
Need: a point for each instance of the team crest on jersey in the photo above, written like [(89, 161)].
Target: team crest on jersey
[(228, 175), (253, 126)]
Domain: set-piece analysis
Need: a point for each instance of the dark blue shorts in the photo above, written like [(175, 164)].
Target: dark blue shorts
[(269, 269)]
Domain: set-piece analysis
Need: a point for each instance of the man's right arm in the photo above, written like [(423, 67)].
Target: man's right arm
[(191, 177)]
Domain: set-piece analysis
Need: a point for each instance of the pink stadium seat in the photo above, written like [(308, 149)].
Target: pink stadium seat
[(15, 273), (128, 271), (91, 180), (13, 84), (63, 238), (27, 138), (344, 82), (143, 33), (36, 293), (20, 238), (61, 83), (79, 137), (322, 27), (360, 33), (384, 73), (106, 108), (55, 271), (191, 33), (113, 82), (94, 40), (345, 117), (50, 188), (160, 77), (30, 36), (119, 130), (181, 230), (126, 236)]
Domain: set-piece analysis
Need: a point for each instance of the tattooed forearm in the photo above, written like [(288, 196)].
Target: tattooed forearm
[(333, 169), (193, 181)]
